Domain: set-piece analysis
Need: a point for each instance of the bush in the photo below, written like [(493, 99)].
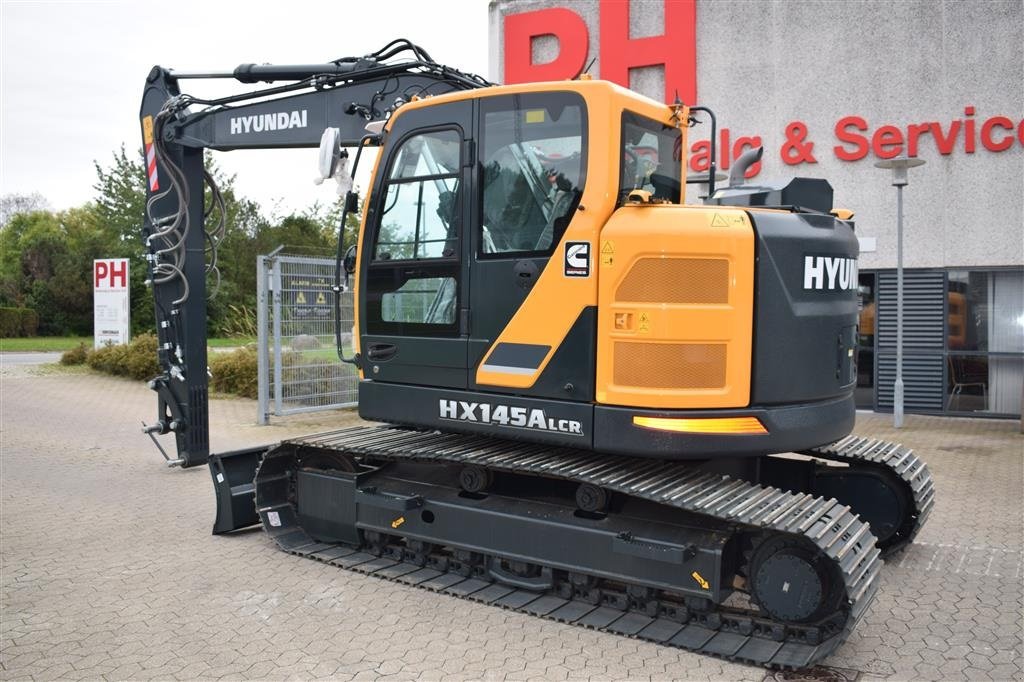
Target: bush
[(18, 322), (29, 322), (109, 359), (141, 361), (10, 322), (75, 356), (235, 372), (136, 360)]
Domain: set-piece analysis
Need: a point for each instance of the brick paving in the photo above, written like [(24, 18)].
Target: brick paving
[(109, 569)]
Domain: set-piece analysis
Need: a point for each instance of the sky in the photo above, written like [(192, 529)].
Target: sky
[(72, 74)]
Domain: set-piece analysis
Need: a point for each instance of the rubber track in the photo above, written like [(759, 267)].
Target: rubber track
[(742, 636), (896, 458)]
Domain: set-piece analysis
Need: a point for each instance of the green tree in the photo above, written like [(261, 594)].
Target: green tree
[(45, 256), (119, 206), (121, 197), (46, 265)]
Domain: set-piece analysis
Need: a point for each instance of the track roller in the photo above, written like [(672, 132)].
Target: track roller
[(591, 499), (475, 479)]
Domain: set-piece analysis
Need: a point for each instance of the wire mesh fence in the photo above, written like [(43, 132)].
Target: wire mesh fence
[(299, 368)]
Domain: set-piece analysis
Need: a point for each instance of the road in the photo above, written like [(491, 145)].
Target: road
[(16, 359), (109, 569)]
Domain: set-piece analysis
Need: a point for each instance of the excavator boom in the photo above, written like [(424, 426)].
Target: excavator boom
[(176, 129)]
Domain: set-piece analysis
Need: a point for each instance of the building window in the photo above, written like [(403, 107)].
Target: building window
[(985, 341), (963, 341), (865, 394)]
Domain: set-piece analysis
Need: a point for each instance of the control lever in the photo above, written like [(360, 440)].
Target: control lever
[(158, 428)]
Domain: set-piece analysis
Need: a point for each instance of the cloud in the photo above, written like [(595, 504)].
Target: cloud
[(73, 72)]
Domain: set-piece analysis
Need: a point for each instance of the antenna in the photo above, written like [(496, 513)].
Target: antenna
[(585, 69)]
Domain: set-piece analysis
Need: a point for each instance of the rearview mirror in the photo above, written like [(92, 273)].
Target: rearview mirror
[(350, 260), (330, 152)]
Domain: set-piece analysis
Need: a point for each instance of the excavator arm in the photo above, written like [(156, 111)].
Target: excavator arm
[(182, 234)]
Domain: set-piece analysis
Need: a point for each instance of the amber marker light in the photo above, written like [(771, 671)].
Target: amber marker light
[(724, 425)]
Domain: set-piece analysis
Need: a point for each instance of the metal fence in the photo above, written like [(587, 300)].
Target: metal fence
[(299, 369)]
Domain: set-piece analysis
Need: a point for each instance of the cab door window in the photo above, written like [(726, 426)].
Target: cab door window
[(413, 275), (419, 219), (534, 164)]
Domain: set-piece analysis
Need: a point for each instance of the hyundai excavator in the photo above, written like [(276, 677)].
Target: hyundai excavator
[(594, 402)]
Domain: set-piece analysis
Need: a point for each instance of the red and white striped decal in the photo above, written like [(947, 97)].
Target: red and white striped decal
[(147, 134)]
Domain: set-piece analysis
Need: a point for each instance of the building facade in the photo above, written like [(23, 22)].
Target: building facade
[(829, 88)]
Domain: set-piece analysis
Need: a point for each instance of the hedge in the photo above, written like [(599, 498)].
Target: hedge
[(235, 373), (16, 322), (136, 360)]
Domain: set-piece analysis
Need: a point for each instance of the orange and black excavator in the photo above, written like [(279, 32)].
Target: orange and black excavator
[(602, 405)]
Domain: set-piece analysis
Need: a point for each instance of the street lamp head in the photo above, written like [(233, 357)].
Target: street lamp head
[(899, 166)]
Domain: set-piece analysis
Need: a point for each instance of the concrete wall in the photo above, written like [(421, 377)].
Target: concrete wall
[(761, 65)]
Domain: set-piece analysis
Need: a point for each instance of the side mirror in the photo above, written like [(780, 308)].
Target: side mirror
[(352, 202), (330, 152), (350, 260)]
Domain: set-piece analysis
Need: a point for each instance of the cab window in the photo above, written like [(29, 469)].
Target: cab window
[(419, 217), (412, 281), (651, 154), (533, 162)]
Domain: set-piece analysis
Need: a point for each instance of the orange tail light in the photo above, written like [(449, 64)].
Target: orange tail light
[(723, 425)]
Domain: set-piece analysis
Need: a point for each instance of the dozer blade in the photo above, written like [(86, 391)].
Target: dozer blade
[(233, 474)]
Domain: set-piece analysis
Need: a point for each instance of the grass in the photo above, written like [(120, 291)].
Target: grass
[(44, 343), (231, 342), (63, 343)]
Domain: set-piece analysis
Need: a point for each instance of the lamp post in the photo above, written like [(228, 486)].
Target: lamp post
[(899, 166)]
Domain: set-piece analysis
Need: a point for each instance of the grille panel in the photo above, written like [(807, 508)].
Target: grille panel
[(676, 280), (670, 365)]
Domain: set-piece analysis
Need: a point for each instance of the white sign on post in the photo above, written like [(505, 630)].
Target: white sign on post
[(110, 302)]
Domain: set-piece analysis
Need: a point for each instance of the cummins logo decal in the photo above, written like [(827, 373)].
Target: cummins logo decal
[(577, 259), (828, 273), (259, 123), (503, 415)]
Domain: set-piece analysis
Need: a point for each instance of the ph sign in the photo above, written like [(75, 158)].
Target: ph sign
[(110, 302)]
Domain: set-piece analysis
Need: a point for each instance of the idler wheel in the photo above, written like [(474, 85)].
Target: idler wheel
[(794, 582), (326, 461)]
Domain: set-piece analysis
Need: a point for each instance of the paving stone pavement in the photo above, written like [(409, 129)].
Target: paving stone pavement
[(108, 569)]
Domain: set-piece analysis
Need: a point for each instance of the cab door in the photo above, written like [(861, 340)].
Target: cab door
[(531, 173), (413, 291)]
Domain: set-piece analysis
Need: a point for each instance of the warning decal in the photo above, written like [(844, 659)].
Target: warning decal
[(147, 136)]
